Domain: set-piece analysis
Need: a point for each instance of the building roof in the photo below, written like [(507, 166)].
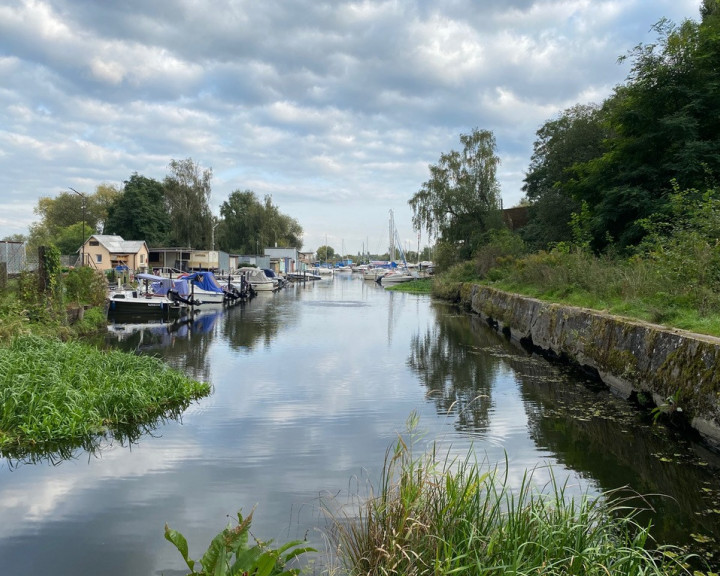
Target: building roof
[(116, 245)]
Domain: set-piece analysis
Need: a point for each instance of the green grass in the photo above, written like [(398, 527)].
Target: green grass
[(442, 516), (54, 393), (633, 288), (420, 286)]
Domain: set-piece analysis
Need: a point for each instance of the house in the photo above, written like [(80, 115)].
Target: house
[(105, 252), (283, 260)]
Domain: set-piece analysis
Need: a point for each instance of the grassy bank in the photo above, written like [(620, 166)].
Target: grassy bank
[(420, 286), (629, 287), (434, 515), (55, 394)]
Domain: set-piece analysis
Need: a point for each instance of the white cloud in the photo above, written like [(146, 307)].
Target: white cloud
[(318, 104)]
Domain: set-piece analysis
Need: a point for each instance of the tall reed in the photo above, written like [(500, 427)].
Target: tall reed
[(442, 516)]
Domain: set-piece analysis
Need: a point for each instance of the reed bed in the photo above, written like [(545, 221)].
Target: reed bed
[(442, 516), (52, 392)]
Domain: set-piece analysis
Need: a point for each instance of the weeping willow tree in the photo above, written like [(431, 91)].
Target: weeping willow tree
[(460, 201)]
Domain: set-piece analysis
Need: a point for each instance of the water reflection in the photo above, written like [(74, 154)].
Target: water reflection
[(310, 387), (450, 359), (465, 367)]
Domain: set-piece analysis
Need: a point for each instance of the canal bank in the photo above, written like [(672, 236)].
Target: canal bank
[(679, 370)]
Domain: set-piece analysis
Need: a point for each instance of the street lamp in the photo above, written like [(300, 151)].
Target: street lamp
[(213, 235), (82, 248)]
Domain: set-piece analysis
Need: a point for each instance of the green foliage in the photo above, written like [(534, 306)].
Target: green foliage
[(575, 136), (86, 285), (460, 201), (580, 225), (53, 392), (446, 256), (71, 238), (257, 560), (248, 225), (187, 193), (325, 253), (139, 212), (440, 515), (419, 286), (502, 248), (63, 218)]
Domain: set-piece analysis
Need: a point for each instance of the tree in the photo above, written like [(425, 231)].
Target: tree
[(575, 136), (663, 127), (15, 238), (187, 196), (239, 229), (460, 201), (138, 213), (325, 253), (248, 225), (65, 218)]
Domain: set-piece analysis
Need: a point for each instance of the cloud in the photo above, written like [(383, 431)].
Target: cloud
[(320, 104)]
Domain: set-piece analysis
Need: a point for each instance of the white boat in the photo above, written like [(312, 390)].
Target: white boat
[(322, 271), (205, 288), (401, 273), (374, 273), (257, 279), (397, 277)]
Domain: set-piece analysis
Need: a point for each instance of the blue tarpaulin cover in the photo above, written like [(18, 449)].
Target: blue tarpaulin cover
[(204, 280)]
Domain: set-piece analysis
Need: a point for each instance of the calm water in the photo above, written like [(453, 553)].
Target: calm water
[(311, 386)]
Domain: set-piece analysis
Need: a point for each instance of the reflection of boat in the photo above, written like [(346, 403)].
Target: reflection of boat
[(302, 276)]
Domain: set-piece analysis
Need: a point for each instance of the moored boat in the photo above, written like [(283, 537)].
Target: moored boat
[(257, 278), (205, 287), (155, 296)]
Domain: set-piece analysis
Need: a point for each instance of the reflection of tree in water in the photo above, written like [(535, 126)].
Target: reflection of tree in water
[(57, 452), (596, 433), (255, 321), (451, 363)]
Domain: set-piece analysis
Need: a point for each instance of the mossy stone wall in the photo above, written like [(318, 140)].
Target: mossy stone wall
[(629, 356)]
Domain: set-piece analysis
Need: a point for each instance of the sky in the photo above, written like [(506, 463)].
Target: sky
[(333, 108)]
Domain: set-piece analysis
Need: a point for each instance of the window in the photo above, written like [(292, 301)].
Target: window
[(142, 258), (94, 243), (98, 258)]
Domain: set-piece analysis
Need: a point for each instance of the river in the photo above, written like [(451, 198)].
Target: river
[(311, 386)]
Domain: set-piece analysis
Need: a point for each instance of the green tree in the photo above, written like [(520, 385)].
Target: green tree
[(325, 253), (248, 225), (138, 213), (240, 222), (15, 238), (187, 197), (461, 200), (575, 136), (67, 217), (664, 123)]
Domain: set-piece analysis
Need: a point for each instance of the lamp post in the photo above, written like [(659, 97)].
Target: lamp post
[(82, 247), (213, 235)]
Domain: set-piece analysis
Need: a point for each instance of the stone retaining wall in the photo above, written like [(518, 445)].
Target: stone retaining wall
[(629, 356)]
